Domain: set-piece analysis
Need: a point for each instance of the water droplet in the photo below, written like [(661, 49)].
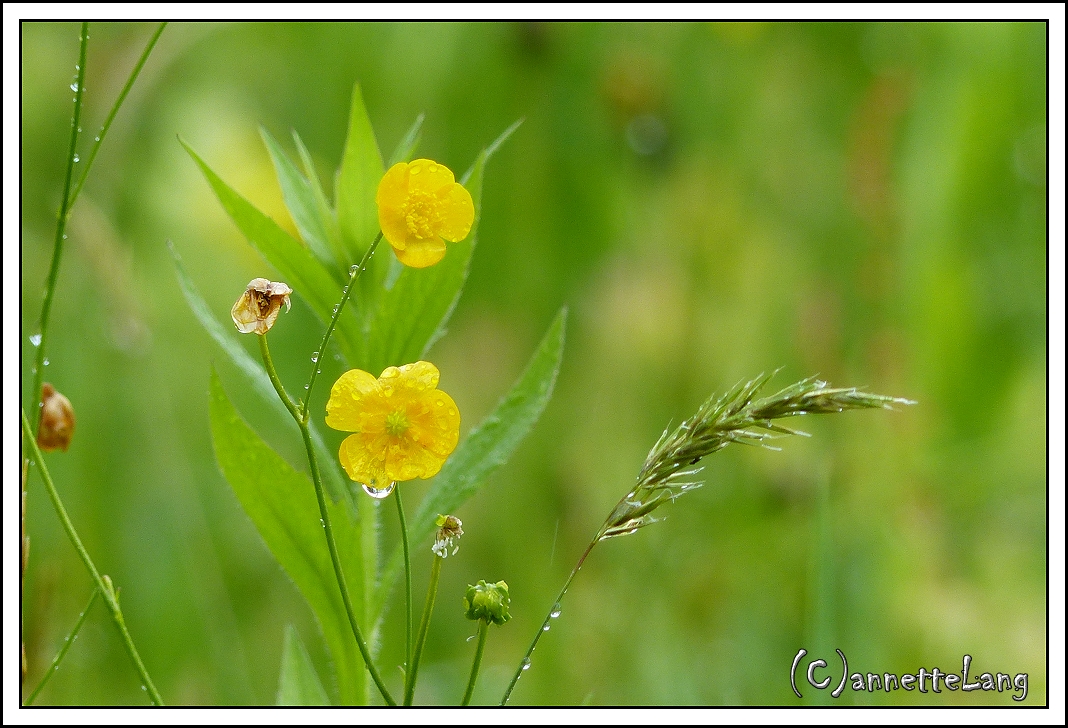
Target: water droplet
[(470, 638), (96, 139), (79, 130), (305, 386), (556, 611), (545, 627), (315, 357), (378, 493), (74, 86), (353, 269), (144, 688), (322, 523), (46, 362), (77, 159), (35, 339), (526, 664)]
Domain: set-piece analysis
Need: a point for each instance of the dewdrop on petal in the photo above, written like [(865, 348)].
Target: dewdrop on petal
[(449, 532), (258, 307), (57, 420)]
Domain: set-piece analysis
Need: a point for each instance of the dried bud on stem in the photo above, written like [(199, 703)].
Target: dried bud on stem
[(449, 532), (258, 307), (57, 420)]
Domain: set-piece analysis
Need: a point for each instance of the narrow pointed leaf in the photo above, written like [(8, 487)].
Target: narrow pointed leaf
[(281, 504), (361, 171), (326, 211), (298, 682), (300, 200)]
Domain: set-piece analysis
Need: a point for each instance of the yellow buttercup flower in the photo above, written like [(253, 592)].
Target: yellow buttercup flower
[(404, 426), (420, 206)]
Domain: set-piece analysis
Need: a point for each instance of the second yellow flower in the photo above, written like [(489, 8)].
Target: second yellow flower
[(404, 426)]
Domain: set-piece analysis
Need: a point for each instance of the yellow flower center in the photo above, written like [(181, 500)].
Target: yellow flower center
[(397, 423), (420, 214)]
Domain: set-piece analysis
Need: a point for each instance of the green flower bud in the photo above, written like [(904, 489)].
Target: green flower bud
[(488, 602)]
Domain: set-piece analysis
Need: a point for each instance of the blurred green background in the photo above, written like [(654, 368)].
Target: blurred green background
[(862, 201)]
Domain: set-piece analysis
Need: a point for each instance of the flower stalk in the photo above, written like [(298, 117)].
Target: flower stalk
[(483, 629), (324, 514), (407, 589), (424, 626)]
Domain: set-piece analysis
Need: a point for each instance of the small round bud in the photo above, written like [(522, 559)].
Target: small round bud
[(258, 307), (57, 420), (449, 532), (488, 602)]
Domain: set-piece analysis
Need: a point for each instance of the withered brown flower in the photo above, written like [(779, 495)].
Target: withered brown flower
[(57, 420), (256, 310)]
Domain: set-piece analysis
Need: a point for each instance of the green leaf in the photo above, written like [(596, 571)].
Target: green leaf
[(298, 267), (300, 200), (298, 683), (415, 306), (326, 212), (281, 503), (255, 376), (407, 145), (488, 446), (361, 171)]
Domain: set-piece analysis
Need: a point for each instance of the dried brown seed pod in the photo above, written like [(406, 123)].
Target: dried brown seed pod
[(57, 420), (258, 307)]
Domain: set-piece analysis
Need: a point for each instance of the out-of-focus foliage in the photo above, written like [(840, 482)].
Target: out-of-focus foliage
[(862, 201)]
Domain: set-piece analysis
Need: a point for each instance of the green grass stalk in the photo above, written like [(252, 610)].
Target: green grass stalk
[(67, 642), (105, 588)]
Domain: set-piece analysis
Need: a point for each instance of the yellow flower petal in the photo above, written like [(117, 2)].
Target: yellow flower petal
[(360, 462), (343, 410), (391, 195), (420, 253), (457, 213), (437, 427), (426, 175), (420, 375)]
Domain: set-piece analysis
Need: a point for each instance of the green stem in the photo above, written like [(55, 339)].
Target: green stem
[(61, 234), (63, 650), (328, 529), (354, 273), (115, 110), (483, 628), (104, 587), (407, 589), (265, 352), (424, 627), (554, 612)]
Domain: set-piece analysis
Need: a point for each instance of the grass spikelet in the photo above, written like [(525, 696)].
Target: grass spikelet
[(736, 416)]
